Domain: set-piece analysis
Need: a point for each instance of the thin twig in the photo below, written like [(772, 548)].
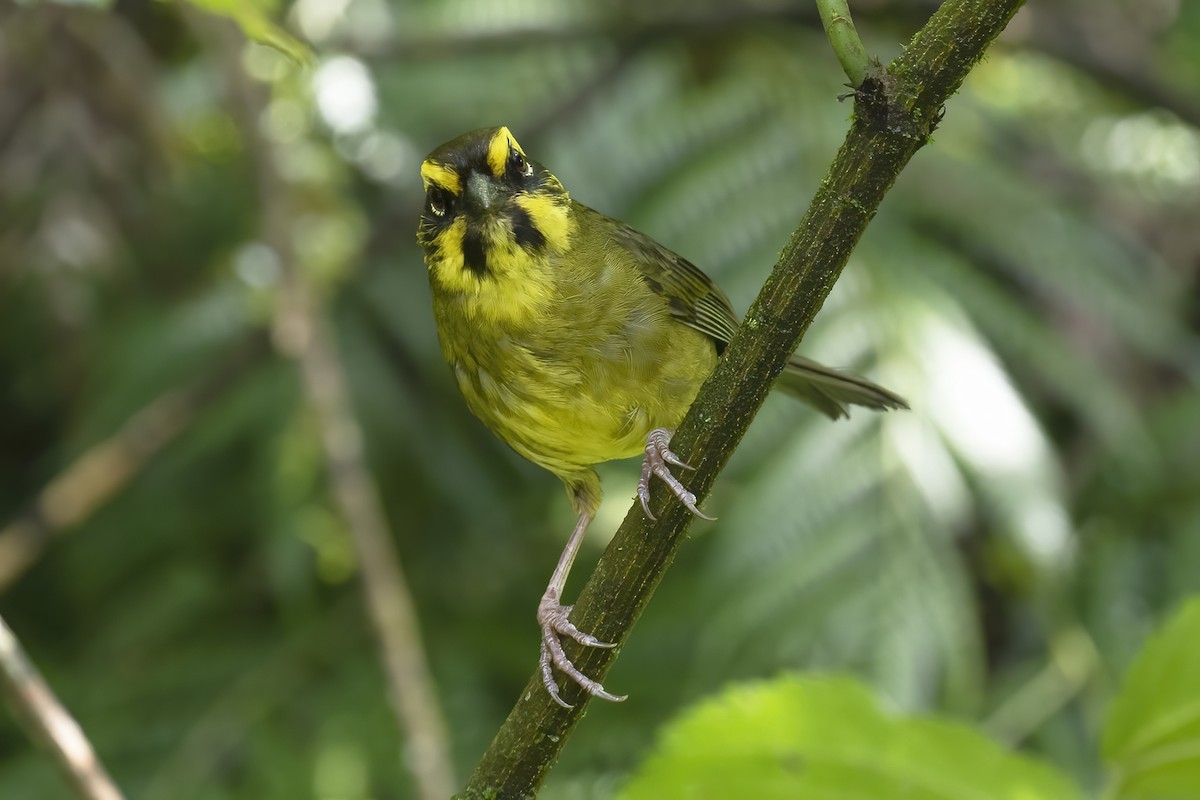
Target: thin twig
[(1073, 661), (843, 38), (49, 724), (307, 338), (303, 333)]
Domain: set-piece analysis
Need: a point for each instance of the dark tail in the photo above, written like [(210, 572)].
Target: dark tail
[(831, 391)]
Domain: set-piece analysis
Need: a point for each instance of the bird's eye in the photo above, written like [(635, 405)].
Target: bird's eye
[(518, 165), (439, 201)]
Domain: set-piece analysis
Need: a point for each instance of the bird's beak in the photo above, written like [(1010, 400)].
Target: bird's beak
[(482, 193)]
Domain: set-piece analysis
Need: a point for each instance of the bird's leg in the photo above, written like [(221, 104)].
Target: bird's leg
[(658, 456), (552, 619)]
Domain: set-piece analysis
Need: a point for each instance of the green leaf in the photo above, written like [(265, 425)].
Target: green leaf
[(1152, 737), (805, 738), (254, 18)]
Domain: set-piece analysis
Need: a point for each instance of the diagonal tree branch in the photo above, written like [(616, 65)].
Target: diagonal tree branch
[(303, 332), (896, 110), (49, 724)]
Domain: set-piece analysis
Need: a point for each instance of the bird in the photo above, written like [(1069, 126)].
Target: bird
[(577, 340)]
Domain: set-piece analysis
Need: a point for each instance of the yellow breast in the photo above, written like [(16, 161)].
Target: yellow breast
[(592, 363)]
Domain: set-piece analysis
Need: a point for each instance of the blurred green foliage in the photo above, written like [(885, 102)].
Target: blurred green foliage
[(999, 554), (799, 737), (818, 737), (1153, 731), (254, 17)]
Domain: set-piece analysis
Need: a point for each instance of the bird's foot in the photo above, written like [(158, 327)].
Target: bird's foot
[(658, 456), (552, 619)]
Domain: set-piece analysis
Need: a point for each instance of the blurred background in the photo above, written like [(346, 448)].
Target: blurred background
[(171, 553)]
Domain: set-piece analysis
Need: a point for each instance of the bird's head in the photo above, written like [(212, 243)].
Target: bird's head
[(491, 213)]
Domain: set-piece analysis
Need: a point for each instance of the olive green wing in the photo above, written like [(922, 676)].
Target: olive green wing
[(696, 301), (693, 298)]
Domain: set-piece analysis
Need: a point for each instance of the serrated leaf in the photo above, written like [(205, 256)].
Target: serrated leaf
[(1152, 737), (807, 738)]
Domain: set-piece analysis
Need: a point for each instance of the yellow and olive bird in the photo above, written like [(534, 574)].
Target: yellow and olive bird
[(576, 338)]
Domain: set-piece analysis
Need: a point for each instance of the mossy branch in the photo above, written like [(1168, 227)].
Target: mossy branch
[(896, 110)]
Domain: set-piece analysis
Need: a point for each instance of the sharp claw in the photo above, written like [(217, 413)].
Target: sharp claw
[(671, 458), (548, 677), (554, 623), (559, 657), (645, 498), (552, 685), (565, 627), (690, 503), (587, 640), (658, 456), (552, 689), (643, 488)]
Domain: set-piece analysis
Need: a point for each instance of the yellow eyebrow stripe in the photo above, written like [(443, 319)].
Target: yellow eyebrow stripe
[(498, 150), (442, 175)]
